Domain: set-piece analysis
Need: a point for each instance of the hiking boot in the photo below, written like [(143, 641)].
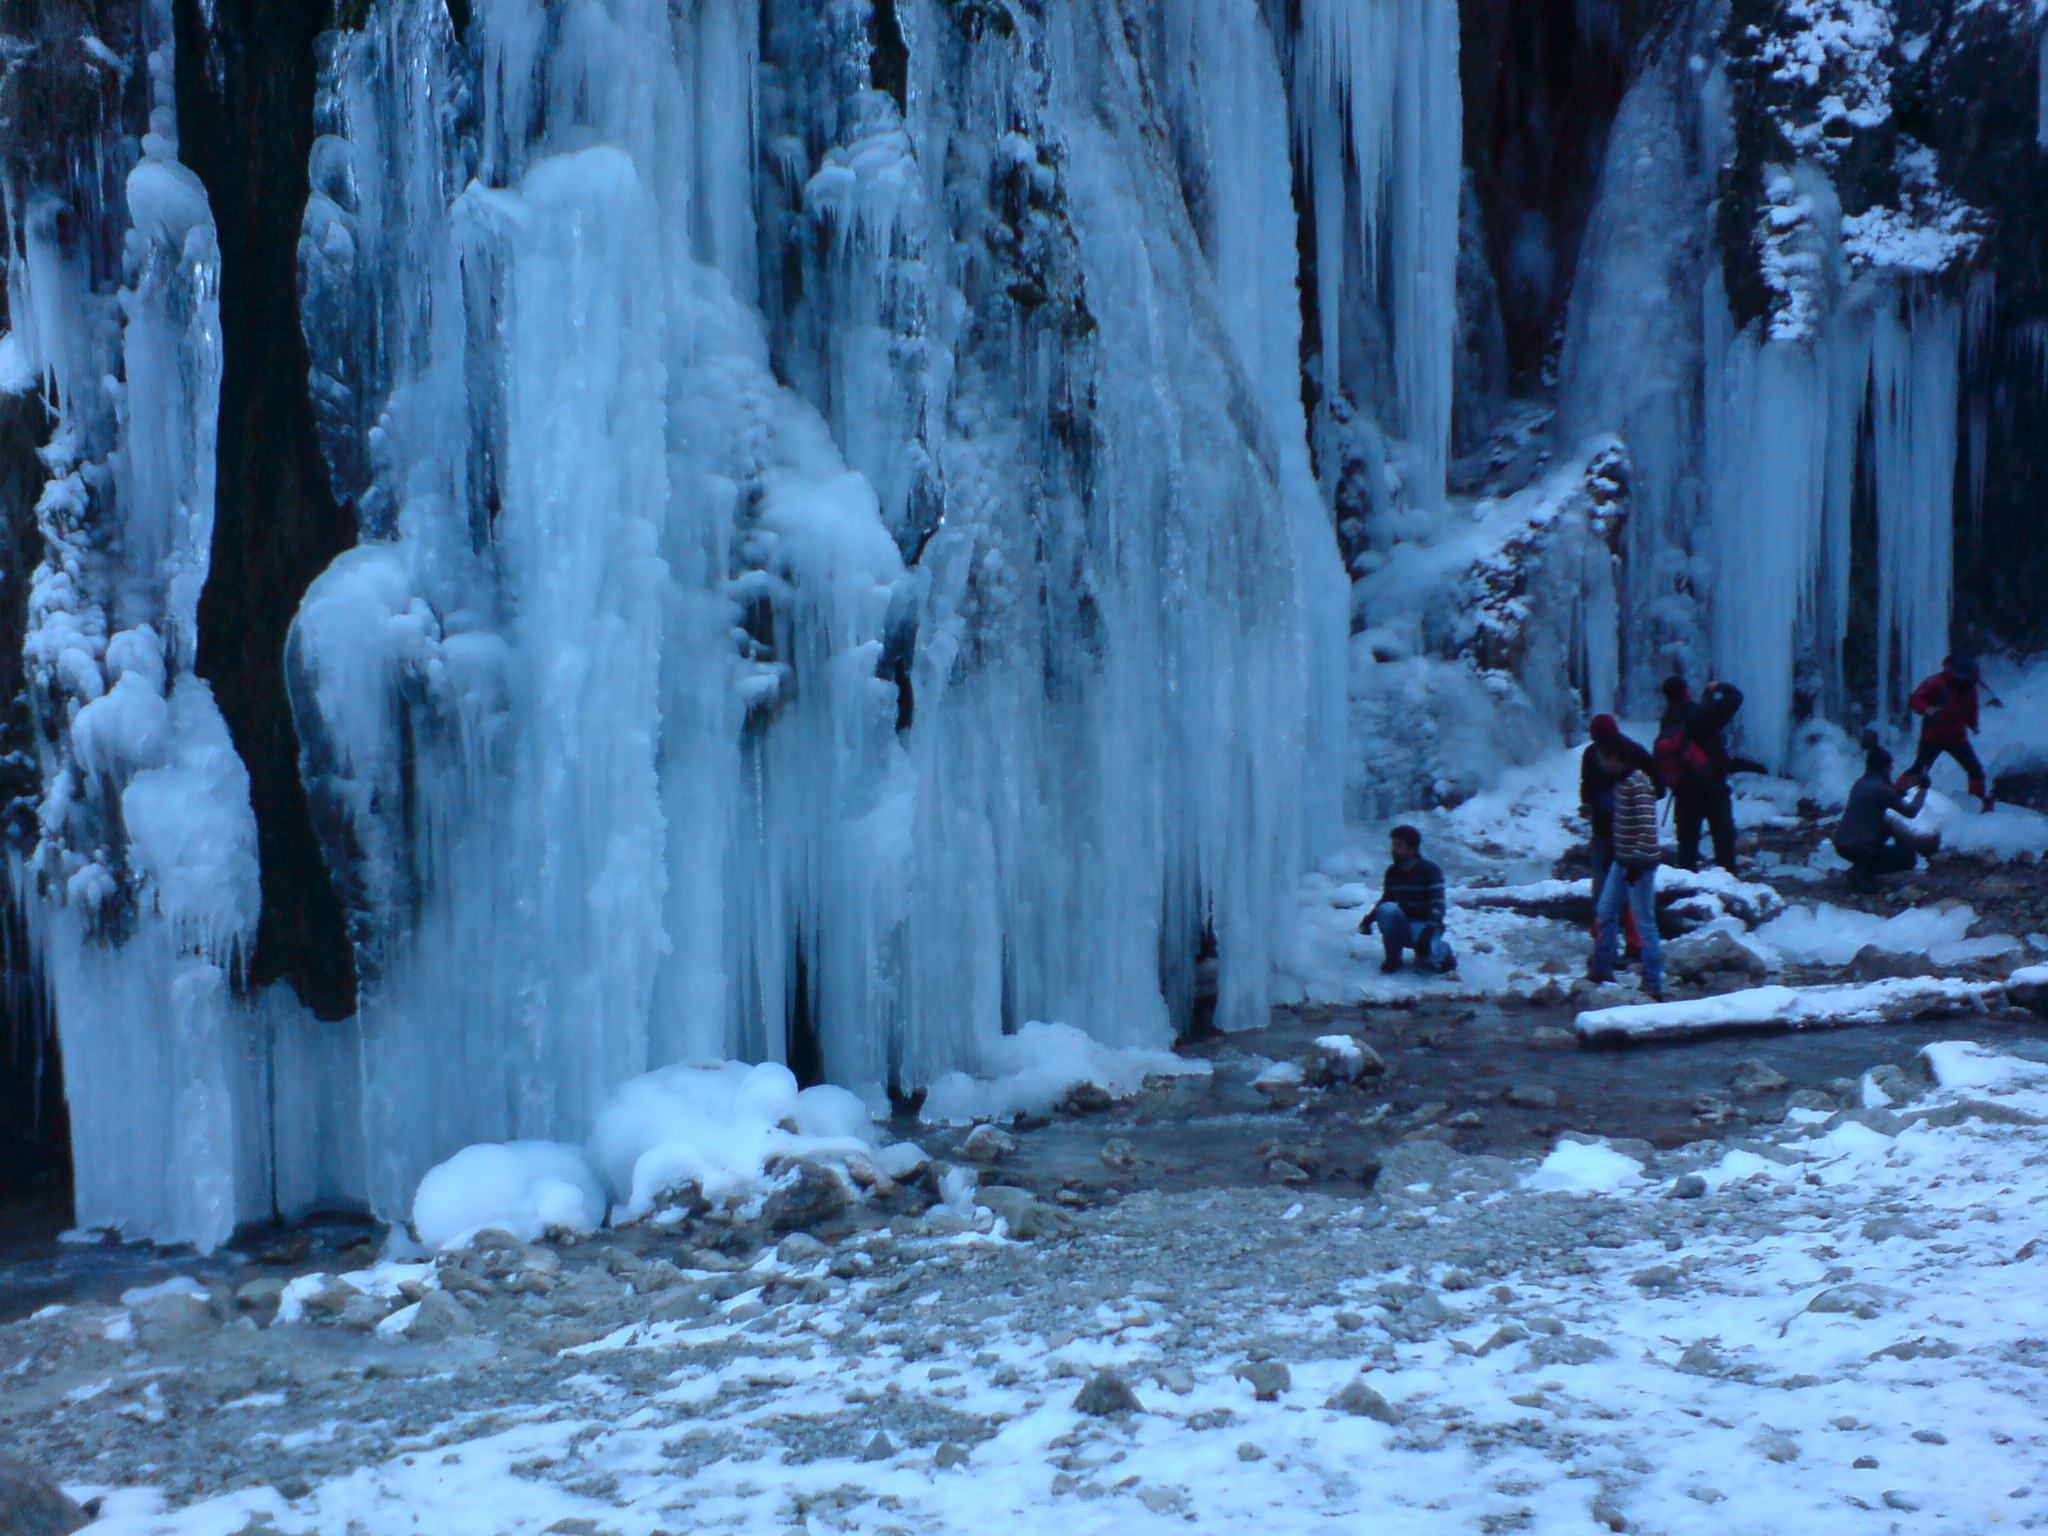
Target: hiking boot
[(1388, 967), (1989, 803), (1654, 994), (1599, 978)]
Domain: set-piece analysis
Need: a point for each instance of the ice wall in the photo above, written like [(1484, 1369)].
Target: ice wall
[(1754, 444), (842, 574)]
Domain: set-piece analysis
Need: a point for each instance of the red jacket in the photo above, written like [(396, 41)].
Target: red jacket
[(1948, 709)]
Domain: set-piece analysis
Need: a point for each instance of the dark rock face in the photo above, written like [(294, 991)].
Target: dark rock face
[(246, 86), (31, 1503)]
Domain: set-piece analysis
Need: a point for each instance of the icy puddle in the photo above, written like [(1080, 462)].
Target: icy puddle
[(1834, 1327)]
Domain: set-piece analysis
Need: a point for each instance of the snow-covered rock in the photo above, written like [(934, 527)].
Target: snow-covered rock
[(1789, 1008)]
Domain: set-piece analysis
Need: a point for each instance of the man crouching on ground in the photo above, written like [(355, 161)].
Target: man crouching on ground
[(1411, 910), (1632, 877)]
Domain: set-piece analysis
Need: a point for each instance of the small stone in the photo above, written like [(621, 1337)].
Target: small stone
[(1810, 1098), (1703, 1359), (1467, 1119), (1930, 1437), (1712, 953), (1119, 1154), (1688, 1186), (31, 1503), (1864, 1463), (880, 1448), (1350, 1322), (800, 1248), (1532, 1096), (440, 1316), (165, 1322), (949, 1455), (1606, 1512), (1246, 1451), (259, 1299), (1458, 1280), (1107, 1393), (1755, 1077), (1361, 1401), (364, 1313), (1087, 1099), (1659, 1277), (1028, 1218), (1707, 1495), (329, 1301), (291, 1487), (1775, 1447), (1893, 1499), (1281, 1171), (986, 1144), (679, 1304), (1267, 1378), (656, 1276), (1550, 1037)]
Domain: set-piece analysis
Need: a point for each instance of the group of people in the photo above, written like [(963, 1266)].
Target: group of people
[(1622, 785)]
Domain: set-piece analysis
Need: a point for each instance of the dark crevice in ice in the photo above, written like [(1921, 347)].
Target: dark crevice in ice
[(246, 88)]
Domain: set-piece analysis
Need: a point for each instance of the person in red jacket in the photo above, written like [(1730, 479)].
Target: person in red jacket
[(1947, 706)]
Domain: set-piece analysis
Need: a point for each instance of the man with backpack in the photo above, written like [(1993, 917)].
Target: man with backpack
[(1632, 877), (1596, 804), (1693, 763), (1947, 706)]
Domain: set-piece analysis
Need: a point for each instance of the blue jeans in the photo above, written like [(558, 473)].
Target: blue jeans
[(1640, 893), (1398, 933)]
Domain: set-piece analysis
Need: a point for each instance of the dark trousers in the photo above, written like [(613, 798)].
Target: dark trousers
[(1712, 809), (1601, 846), (1892, 857), (1930, 754)]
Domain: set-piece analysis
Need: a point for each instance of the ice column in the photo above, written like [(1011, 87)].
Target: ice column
[(1387, 71)]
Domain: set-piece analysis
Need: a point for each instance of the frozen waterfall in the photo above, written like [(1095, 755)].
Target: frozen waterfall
[(866, 524)]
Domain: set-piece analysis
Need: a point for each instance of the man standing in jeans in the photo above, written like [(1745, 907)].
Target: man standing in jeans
[(1411, 910), (1632, 877)]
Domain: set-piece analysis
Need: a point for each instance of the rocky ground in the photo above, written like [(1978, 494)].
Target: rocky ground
[(1447, 1268)]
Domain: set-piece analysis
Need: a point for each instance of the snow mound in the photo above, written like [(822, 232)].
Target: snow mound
[(1585, 1168), (1787, 1008), (2004, 832), (1036, 1068), (717, 1125), (1829, 935), (527, 1188)]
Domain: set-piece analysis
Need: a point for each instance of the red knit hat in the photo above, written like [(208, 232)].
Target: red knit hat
[(1605, 728)]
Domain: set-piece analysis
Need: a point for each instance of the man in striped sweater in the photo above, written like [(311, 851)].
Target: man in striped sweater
[(1632, 877), (1411, 910)]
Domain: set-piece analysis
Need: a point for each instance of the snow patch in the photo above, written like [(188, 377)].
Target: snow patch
[(526, 1188), (1033, 1070)]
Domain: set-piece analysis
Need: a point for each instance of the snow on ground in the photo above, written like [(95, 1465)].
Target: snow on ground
[(1498, 850), (1842, 1330)]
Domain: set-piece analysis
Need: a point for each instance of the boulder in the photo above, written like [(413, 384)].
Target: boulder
[(1361, 1401), (437, 1316), (2028, 989), (986, 1144), (164, 1322), (1107, 1394), (1267, 1378), (31, 1503), (1337, 1059), (259, 1299), (1531, 1096), (808, 1195), (1714, 951), (1754, 1077), (1873, 964)]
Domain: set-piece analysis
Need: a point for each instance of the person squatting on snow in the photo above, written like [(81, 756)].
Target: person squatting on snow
[(1411, 910), (1866, 835), (1596, 804), (1693, 763), (1632, 877), (1947, 706)]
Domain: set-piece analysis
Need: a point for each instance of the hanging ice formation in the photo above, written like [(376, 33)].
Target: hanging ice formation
[(831, 612), (1749, 441)]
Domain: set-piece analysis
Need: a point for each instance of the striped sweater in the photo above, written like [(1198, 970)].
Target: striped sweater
[(1636, 846), (1417, 890)]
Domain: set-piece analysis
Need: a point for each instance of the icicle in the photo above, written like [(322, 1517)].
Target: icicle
[(1914, 386)]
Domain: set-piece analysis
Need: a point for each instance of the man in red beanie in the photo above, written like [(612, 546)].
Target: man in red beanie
[(1596, 804)]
